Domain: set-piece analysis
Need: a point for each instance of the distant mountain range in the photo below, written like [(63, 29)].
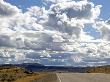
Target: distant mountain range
[(36, 67)]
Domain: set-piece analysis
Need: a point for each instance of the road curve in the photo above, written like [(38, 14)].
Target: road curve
[(83, 77)]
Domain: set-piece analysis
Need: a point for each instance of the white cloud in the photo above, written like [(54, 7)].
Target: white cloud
[(103, 27), (83, 54), (7, 9), (79, 10), (54, 1), (53, 35)]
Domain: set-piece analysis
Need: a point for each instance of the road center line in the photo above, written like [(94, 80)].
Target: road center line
[(58, 77)]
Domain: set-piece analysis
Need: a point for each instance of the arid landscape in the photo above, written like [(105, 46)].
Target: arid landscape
[(54, 40), (14, 73), (17, 74)]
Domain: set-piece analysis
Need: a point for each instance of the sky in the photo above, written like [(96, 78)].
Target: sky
[(24, 4), (55, 32), (105, 9)]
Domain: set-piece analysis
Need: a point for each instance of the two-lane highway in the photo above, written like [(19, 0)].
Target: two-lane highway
[(83, 77)]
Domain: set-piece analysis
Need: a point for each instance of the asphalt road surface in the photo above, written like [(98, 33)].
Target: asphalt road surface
[(83, 77)]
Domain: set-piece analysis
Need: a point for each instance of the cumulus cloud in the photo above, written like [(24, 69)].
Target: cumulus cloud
[(103, 28), (70, 17), (84, 54), (7, 9), (81, 9), (5, 40)]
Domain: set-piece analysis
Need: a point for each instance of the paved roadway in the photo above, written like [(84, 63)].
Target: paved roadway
[(83, 77)]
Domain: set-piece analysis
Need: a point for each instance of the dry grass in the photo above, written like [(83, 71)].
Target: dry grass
[(31, 78), (17, 74), (100, 69)]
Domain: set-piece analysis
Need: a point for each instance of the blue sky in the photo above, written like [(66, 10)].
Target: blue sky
[(105, 13), (23, 4)]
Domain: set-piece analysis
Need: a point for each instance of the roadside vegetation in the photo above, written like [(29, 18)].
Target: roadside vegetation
[(99, 69), (17, 74)]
